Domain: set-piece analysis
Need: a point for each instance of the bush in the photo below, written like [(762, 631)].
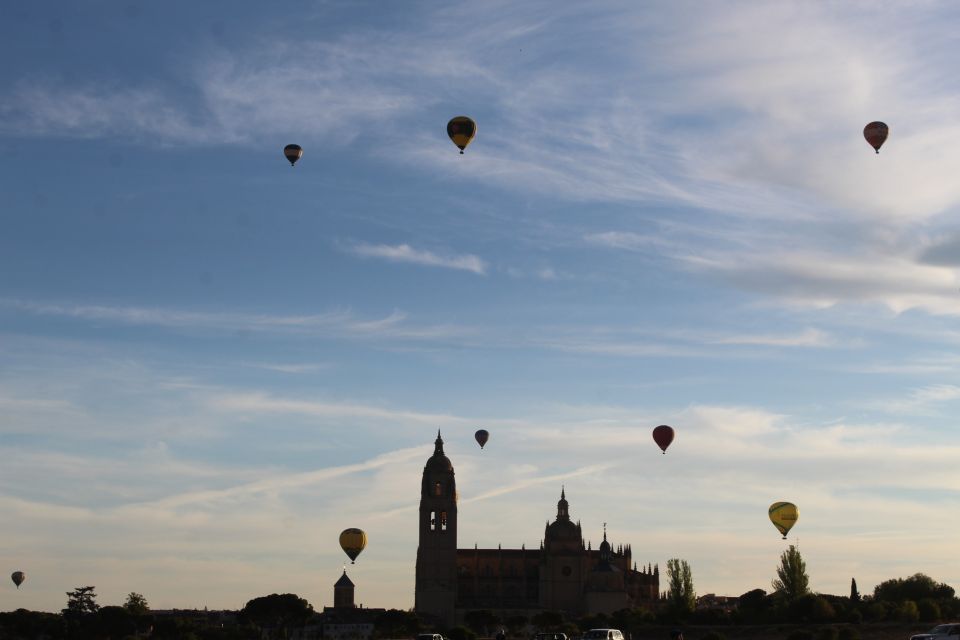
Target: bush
[(800, 634), (828, 633), (929, 610), (876, 612), (908, 611), (854, 616), (849, 633), (460, 633), (811, 608)]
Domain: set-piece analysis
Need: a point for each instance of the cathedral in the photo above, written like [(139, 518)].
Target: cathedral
[(562, 575)]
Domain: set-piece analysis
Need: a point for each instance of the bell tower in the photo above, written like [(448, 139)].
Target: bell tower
[(436, 583)]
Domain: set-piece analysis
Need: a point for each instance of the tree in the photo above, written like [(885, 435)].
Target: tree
[(929, 610), (80, 615), (854, 594), (753, 606), (547, 620), (515, 624), (681, 596), (30, 624), (916, 587), (460, 633), (280, 611), (908, 611), (792, 580), (481, 621), (136, 604), (396, 623), (116, 622), (81, 601)]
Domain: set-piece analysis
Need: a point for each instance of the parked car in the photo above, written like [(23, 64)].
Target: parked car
[(949, 631), (605, 634), (429, 636)]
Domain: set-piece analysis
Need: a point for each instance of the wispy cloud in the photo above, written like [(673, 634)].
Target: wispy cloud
[(807, 338), (265, 403), (406, 253), (626, 240), (292, 367), (283, 482), (922, 401), (339, 322), (825, 279)]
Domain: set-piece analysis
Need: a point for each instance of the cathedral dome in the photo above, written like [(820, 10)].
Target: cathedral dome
[(438, 461), (563, 530), (605, 566), (604, 547)]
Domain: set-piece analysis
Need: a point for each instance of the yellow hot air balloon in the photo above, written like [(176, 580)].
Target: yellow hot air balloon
[(461, 130), (784, 515), (353, 541)]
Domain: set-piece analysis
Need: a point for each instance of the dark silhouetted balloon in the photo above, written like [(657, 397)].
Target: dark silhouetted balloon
[(353, 541), (663, 436), (293, 153), (482, 436), (18, 577), (876, 134), (461, 130), (783, 515)]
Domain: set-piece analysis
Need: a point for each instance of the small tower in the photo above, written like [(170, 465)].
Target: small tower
[(343, 593)]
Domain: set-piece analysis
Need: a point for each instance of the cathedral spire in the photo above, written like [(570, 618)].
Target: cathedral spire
[(438, 445), (563, 509)]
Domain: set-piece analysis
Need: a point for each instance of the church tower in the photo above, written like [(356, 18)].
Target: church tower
[(436, 582), (343, 593), (563, 564)]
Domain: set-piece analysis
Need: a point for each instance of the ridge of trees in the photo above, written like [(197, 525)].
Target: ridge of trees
[(914, 599)]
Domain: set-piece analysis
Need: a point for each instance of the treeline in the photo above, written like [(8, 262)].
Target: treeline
[(918, 598)]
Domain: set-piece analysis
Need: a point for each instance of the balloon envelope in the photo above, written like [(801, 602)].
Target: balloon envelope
[(461, 130), (783, 515), (876, 134), (663, 436), (482, 436), (353, 541), (293, 153), (18, 577)]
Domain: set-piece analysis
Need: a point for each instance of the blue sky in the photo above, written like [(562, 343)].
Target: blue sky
[(211, 363)]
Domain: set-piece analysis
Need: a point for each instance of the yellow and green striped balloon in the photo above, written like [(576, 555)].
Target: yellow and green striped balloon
[(783, 515), (353, 541), (461, 130)]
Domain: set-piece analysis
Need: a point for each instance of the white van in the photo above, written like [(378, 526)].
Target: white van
[(603, 634)]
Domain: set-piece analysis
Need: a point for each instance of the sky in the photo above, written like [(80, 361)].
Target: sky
[(211, 363)]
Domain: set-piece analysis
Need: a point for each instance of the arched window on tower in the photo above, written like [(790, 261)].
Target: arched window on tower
[(443, 521), (433, 521), (437, 489)]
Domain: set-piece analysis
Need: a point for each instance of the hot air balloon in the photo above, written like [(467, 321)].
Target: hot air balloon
[(876, 134), (663, 436), (481, 437), (293, 153), (461, 130), (784, 515), (353, 541), (18, 577)]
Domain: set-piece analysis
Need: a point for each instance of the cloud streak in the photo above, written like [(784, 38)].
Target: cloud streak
[(406, 253)]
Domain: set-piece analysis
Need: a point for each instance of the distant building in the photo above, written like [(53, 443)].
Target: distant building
[(713, 602), (564, 574), (344, 620)]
